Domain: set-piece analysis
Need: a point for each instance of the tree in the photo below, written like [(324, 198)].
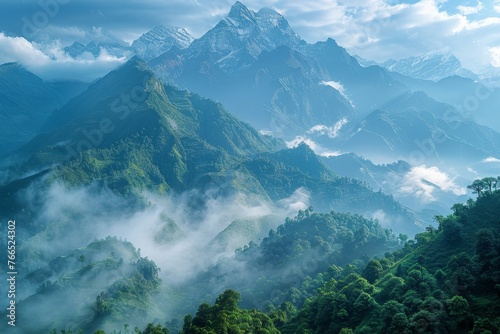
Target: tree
[(372, 271), (228, 301), (457, 305), (489, 183), (459, 209), (402, 238), (152, 329), (477, 187), (399, 323), (451, 229), (81, 259), (485, 244)]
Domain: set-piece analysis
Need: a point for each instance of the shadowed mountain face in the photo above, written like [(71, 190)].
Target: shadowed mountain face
[(131, 132), (26, 102), (257, 66), (416, 128)]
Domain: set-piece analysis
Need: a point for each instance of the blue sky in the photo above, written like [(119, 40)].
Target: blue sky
[(374, 29)]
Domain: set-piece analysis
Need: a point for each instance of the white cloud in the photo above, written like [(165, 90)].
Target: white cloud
[(472, 170), (318, 149), (332, 131), (469, 10), (491, 160), (495, 56), (51, 63), (423, 181), (379, 29), (21, 50), (381, 216)]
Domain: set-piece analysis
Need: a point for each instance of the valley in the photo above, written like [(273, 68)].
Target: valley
[(249, 181)]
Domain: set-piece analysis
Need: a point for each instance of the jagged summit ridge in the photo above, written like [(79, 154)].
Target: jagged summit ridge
[(159, 40), (434, 65), (243, 34)]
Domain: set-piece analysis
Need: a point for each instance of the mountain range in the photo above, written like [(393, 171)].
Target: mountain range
[(260, 70), (435, 66), (26, 101), (149, 45), (176, 140), (200, 149)]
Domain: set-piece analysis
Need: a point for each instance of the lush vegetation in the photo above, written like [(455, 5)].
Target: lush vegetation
[(444, 281), (319, 272)]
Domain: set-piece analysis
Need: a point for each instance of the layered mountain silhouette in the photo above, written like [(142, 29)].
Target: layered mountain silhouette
[(26, 101), (131, 132), (416, 128)]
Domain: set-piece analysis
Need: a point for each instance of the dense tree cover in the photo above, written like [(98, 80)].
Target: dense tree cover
[(226, 317), (128, 297), (446, 282), (296, 259)]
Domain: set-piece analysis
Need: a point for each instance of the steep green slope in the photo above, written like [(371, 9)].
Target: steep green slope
[(130, 131), (446, 282)]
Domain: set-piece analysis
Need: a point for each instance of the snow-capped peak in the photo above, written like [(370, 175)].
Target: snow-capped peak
[(434, 65), (159, 40)]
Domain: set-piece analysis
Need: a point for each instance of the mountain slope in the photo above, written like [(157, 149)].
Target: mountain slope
[(130, 113), (443, 283), (476, 98), (418, 129), (367, 87), (282, 172), (159, 40), (25, 103), (239, 38), (260, 69), (131, 133), (96, 286)]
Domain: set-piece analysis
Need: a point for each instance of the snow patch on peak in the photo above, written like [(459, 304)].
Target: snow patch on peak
[(159, 40), (318, 149), (332, 131), (338, 87)]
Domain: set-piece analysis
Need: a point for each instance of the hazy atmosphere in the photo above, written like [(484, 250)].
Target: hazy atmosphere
[(178, 167)]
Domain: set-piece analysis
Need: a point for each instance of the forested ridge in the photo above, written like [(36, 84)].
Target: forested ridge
[(446, 280)]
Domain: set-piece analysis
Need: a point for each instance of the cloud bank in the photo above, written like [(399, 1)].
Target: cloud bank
[(67, 219), (423, 182), (50, 62)]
